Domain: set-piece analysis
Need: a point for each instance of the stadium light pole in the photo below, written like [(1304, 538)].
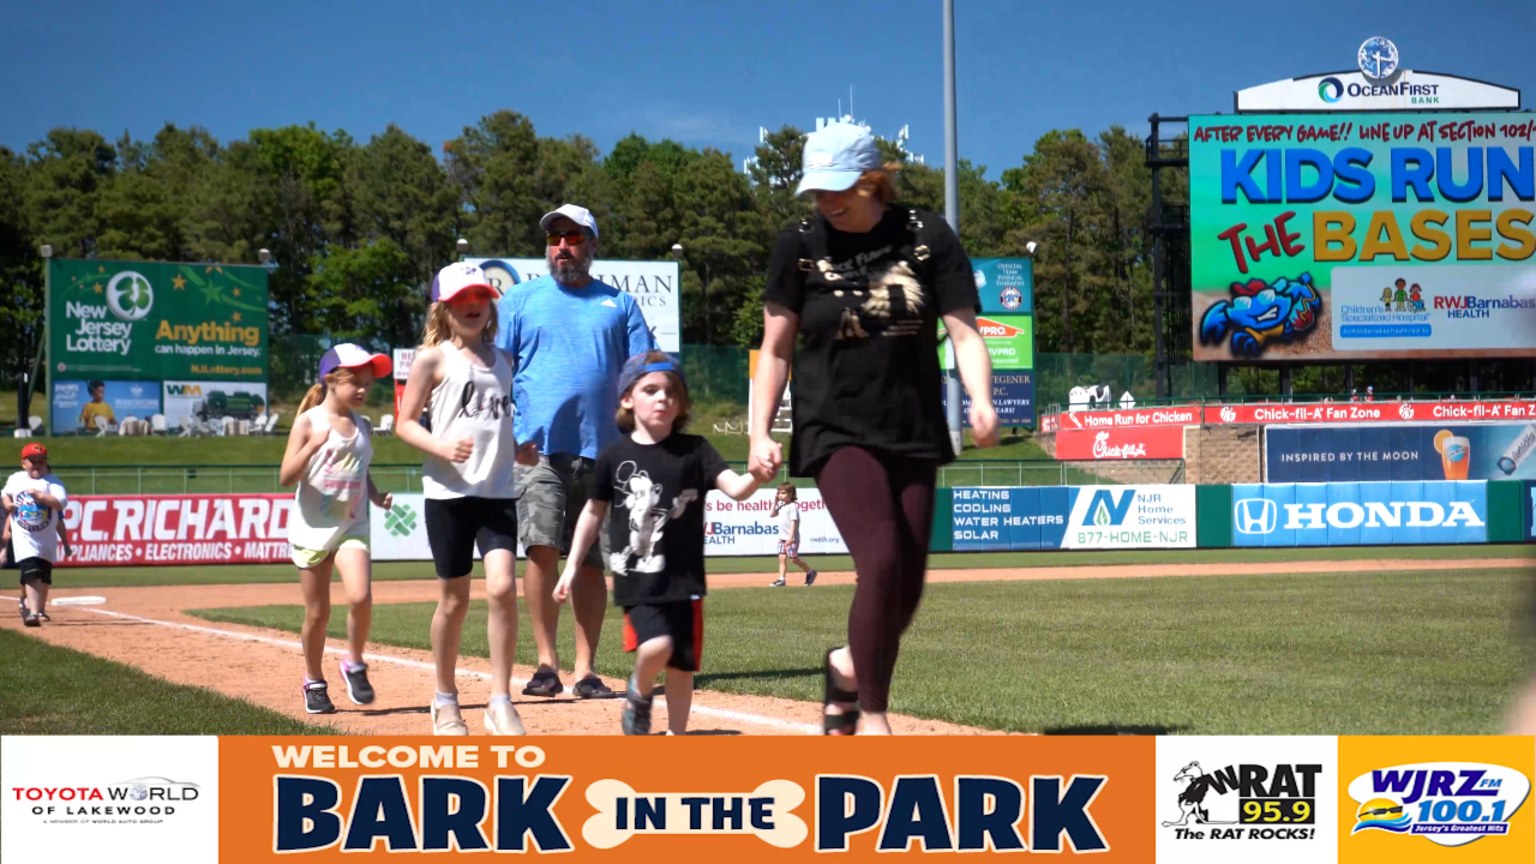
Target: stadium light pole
[(463, 248), (951, 214), (24, 387)]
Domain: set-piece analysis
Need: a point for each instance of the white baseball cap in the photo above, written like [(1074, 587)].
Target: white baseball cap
[(836, 156), (580, 215), (454, 278), (350, 356)]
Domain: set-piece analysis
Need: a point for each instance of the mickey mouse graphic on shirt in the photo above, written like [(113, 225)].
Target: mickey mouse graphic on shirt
[(642, 499)]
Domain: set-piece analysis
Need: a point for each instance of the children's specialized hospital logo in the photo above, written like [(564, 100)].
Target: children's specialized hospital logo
[(1447, 803), (129, 296), (400, 520), (1244, 801), (1263, 314), (1011, 298)]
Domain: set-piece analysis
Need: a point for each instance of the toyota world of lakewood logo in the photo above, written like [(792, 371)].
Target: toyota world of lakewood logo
[(400, 520)]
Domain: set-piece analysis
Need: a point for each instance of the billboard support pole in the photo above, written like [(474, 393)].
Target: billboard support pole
[(24, 402), (952, 215)]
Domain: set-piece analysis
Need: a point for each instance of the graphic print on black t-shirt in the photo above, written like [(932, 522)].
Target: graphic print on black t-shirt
[(642, 499), (890, 304), (866, 372), (656, 527)]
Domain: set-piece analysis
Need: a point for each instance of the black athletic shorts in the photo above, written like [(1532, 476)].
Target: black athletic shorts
[(36, 570), (683, 620), (456, 525)]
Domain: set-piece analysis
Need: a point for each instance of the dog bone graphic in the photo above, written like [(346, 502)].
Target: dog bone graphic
[(765, 812)]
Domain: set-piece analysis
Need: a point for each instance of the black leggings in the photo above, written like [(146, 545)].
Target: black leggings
[(883, 507)]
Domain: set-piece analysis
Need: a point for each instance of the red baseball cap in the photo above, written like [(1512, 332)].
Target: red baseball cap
[(34, 450)]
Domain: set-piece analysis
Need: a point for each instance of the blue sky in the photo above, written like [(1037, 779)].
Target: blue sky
[(706, 74)]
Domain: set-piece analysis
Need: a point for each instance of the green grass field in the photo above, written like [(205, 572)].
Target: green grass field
[(114, 465), (1338, 653), (58, 691), (1518, 555)]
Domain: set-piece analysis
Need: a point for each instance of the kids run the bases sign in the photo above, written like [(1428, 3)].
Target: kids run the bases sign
[(1356, 236)]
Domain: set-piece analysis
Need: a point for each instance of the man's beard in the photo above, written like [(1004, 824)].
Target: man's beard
[(572, 269)]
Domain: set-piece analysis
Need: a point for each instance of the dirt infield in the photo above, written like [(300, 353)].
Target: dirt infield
[(148, 628)]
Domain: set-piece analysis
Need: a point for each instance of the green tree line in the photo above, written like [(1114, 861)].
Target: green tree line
[(358, 228)]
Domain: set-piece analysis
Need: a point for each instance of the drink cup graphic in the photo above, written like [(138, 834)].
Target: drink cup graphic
[(1456, 457)]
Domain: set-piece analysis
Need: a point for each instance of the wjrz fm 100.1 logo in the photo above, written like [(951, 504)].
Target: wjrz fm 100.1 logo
[(1449, 803), (146, 800), (1243, 801)]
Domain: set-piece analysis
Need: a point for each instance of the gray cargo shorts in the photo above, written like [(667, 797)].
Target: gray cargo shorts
[(551, 496)]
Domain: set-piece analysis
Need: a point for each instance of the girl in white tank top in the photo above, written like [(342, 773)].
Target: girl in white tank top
[(472, 403), (466, 383), (329, 450)]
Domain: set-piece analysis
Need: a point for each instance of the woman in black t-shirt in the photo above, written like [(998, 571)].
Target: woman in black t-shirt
[(864, 283)]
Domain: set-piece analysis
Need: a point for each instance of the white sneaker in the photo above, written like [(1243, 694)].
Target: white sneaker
[(501, 719), (448, 720)]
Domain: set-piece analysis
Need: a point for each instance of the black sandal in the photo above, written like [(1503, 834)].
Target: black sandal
[(846, 723)]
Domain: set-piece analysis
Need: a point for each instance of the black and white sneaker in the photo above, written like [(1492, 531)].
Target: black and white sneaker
[(358, 688), (316, 698)]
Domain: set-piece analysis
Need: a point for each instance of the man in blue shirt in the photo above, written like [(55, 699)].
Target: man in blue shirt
[(570, 335)]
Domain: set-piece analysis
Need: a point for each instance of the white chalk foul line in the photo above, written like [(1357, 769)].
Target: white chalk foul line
[(704, 710)]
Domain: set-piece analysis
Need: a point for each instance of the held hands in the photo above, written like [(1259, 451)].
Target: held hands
[(983, 419), (528, 453), (456, 451), (765, 459), (562, 590)]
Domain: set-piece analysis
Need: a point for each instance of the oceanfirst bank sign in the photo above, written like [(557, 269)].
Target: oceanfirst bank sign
[(1380, 84), (1359, 514)]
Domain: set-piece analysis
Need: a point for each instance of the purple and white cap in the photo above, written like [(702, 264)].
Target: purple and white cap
[(350, 356)]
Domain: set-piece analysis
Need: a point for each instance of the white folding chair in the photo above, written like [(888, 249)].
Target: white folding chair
[(22, 432), (386, 424), (157, 424), (271, 428), (35, 424), (101, 425), (128, 426)]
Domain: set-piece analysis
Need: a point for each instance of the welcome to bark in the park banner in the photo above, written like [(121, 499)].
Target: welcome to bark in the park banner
[(769, 799)]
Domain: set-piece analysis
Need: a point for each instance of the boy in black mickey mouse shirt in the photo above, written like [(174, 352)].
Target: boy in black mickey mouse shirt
[(656, 478)]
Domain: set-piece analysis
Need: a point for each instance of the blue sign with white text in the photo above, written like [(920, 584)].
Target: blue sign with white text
[(1002, 519), (1360, 514)]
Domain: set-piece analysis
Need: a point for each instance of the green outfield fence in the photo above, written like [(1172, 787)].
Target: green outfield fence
[(406, 477)]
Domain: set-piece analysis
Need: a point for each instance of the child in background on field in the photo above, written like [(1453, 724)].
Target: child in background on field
[(787, 510), (34, 502), (467, 482), (329, 451), (656, 478)]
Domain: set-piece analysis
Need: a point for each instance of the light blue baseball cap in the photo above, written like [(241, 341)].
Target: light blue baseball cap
[(836, 155)]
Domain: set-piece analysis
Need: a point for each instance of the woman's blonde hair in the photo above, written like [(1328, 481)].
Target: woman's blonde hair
[(625, 417), (790, 488), (316, 394), (879, 183), (439, 331)]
